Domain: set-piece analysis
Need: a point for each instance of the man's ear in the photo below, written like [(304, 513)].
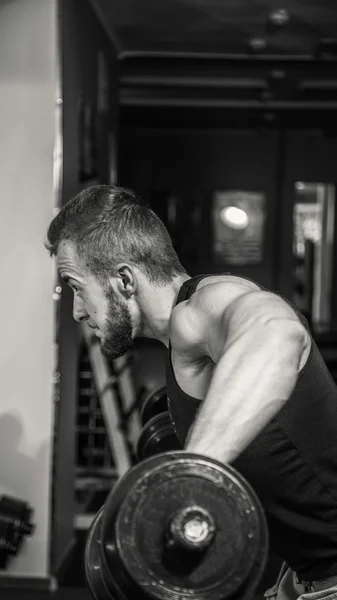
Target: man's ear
[(126, 279)]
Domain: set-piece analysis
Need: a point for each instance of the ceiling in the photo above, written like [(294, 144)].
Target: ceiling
[(195, 62), (234, 28)]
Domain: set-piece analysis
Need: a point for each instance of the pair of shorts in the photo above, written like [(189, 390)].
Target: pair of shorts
[(289, 587)]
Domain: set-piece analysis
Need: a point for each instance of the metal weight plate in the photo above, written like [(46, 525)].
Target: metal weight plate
[(179, 526), (154, 404), (92, 561), (157, 436)]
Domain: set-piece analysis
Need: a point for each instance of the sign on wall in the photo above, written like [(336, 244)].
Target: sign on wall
[(238, 220)]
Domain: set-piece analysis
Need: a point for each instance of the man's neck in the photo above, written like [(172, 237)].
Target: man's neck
[(157, 306)]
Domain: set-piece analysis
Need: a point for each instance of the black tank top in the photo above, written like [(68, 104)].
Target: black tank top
[(291, 464)]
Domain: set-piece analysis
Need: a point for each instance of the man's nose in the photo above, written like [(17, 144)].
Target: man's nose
[(79, 312)]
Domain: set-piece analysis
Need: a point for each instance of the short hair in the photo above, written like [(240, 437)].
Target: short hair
[(110, 224)]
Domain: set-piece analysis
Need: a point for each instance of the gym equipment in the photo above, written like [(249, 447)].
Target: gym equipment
[(15, 523), (153, 404), (157, 436), (177, 526)]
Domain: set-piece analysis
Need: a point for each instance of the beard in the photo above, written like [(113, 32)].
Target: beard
[(117, 336)]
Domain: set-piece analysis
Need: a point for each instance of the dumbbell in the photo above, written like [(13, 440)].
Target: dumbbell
[(157, 434), (154, 403), (177, 526), (15, 523)]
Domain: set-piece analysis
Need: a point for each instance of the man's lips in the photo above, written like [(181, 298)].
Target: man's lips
[(95, 328)]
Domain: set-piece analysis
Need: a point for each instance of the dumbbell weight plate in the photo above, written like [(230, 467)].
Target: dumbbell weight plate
[(157, 436), (92, 560), (154, 404), (134, 555)]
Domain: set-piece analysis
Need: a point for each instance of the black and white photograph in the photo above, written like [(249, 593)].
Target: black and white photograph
[(168, 375)]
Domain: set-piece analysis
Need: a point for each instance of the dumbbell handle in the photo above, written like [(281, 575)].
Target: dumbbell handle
[(191, 528)]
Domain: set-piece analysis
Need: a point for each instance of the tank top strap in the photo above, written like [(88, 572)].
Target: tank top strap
[(189, 286)]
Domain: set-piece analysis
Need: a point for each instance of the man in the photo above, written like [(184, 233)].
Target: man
[(246, 383)]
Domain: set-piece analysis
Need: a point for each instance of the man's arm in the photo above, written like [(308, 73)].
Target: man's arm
[(258, 346)]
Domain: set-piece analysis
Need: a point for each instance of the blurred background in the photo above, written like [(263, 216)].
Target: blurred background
[(222, 115)]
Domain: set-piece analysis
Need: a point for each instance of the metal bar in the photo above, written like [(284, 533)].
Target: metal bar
[(82, 522), (111, 33), (317, 85), (186, 81), (208, 56), (219, 103), (107, 400), (128, 396)]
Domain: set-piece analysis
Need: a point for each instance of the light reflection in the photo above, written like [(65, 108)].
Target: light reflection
[(234, 217), (314, 217)]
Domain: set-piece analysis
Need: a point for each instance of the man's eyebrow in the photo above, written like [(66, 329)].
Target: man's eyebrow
[(67, 278)]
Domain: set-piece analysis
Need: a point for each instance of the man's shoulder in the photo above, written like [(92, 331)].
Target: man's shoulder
[(223, 304), (191, 319), (214, 294), (226, 286)]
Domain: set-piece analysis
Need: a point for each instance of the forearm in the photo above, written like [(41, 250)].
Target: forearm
[(247, 390)]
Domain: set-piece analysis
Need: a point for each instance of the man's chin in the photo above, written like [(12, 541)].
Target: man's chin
[(113, 354)]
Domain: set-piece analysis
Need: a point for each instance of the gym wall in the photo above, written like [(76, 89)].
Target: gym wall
[(83, 39), (27, 105), (194, 164)]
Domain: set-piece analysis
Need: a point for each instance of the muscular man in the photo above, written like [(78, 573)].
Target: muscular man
[(246, 383)]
